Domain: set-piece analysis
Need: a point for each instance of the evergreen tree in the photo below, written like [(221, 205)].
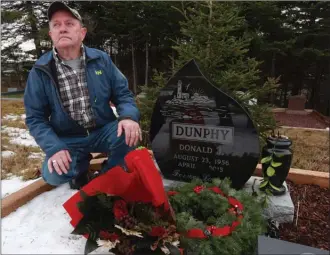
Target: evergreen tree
[(146, 101), (22, 21), (310, 22), (218, 39), (273, 41), (216, 36)]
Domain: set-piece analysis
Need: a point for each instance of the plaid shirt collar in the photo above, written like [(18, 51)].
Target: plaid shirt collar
[(59, 60)]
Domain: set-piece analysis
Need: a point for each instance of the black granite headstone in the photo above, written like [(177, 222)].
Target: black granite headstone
[(268, 246), (198, 131)]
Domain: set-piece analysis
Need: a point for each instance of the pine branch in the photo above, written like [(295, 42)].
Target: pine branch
[(242, 240)]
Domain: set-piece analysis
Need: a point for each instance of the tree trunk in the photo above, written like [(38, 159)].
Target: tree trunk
[(315, 97), (285, 95), (34, 30), (298, 82), (111, 42), (20, 81), (172, 61), (272, 74), (147, 63), (133, 68), (210, 26), (117, 54), (328, 94), (272, 71), (281, 97)]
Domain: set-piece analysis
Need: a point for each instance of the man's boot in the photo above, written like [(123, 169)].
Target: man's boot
[(80, 181)]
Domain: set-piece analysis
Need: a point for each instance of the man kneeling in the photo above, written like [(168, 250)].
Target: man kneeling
[(67, 103)]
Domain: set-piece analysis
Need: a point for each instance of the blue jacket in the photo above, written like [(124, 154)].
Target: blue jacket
[(46, 117)]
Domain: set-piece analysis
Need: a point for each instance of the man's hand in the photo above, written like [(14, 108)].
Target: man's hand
[(60, 161), (132, 131)]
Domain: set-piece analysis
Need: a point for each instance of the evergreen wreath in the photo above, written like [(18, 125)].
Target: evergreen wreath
[(213, 218), (126, 212), (126, 228)]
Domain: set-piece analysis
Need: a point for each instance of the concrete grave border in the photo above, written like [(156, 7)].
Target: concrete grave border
[(26, 194)]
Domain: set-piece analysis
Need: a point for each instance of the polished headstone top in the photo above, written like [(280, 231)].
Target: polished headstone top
[(267, 246), (198, 131)]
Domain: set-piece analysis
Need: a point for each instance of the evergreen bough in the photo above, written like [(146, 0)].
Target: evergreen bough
[(194, 210)]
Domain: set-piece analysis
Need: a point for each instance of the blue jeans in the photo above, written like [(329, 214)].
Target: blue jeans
[(101, 140)]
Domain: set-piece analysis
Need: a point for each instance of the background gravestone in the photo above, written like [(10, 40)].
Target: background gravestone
[(197, 131)]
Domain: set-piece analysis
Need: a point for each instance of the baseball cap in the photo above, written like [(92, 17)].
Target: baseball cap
[(56, 6)]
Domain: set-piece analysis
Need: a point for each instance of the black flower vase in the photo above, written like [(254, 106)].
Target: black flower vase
[(276, 163)]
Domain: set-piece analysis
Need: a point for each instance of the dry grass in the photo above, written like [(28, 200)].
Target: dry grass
[(14, 123), (310, 149), (19, 164), (12, 107)]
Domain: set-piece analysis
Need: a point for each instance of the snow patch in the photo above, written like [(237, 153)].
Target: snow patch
[(19, 136), (42, 226), (14, 117), (7, 154), (38, 155), (10, 117), (12, 185)]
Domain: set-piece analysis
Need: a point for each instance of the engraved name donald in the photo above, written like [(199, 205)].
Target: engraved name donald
[(203, 133)]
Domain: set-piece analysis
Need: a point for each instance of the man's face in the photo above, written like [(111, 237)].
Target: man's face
[(66, 31)]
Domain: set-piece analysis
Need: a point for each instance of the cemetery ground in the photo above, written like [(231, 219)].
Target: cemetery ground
[(311, 221), (19, 155), (14, 96), (22, 158)]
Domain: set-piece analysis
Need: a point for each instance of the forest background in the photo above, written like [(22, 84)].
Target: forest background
[(288, 41)]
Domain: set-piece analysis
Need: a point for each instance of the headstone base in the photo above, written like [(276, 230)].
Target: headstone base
[(271, 246), (280, 208)]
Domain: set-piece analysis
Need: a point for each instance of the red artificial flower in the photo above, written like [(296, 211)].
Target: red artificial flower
[(198, 189), (105, 235), (217, 190), (181, 251), (235, 203), (157, 231), (172, 193), (120, 209)]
